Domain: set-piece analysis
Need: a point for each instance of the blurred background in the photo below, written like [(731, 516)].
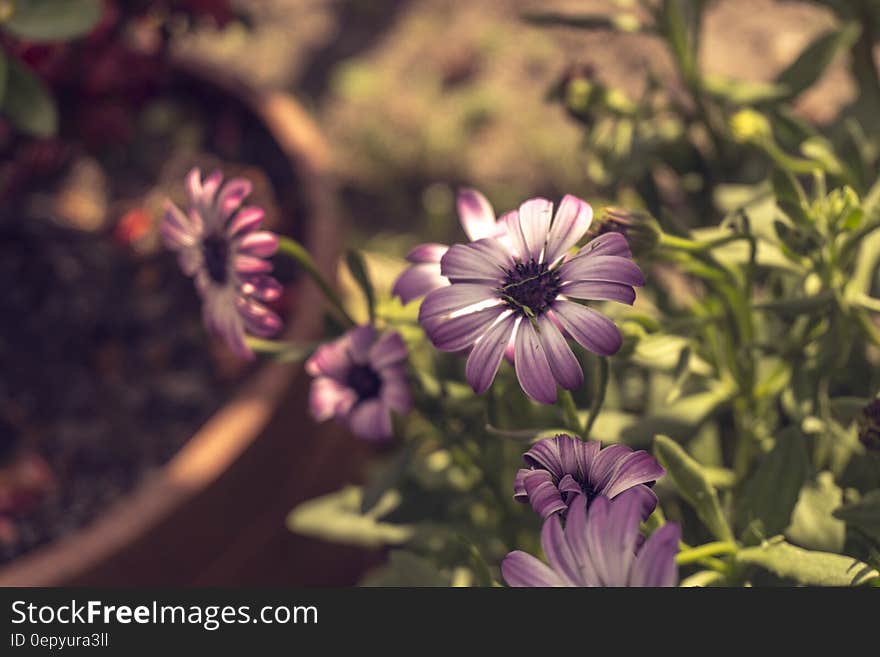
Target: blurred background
[(106, 370)]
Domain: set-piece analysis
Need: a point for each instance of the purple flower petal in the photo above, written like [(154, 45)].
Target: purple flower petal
[(635, 468), (589, 328), (562, 560), (177, 230), (589, 267), (232, 194), (388, 350), (514, 235), (613, 244), (600, 291), (360, 339), (329, 359), (545, 454), (427, 253), (655, 564), (484, 261), (258, 319), (519, 488), (542, 493), (618, 543), (328, 398), (522, 569), (565, 367), (576, 537), (454, 298), (261, 244), (476, 214), (534, 221), (485, 359), (371, 420), (245, 220), (532, 369), (572, 220), (261, 286), (457, 333), (417, 281), (605, 466), (568, 485), (396, 394), (246, 264)]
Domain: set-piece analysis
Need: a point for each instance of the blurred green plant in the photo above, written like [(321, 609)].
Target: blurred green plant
[(24, 98)]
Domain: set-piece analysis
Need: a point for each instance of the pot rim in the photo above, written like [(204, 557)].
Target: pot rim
[(215, 446)]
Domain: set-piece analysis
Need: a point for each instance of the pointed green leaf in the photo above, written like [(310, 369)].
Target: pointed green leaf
[(864, 515), (358, 268), (807, 567), (53, 20), (769, 496), (812, 524), (694, 486), (816, 57), (336, 517), (27, 102)]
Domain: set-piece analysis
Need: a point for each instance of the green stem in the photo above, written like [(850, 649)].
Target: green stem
[(281, 350), (598, 394), (570, 412), (698, 554), (694, 246), (297, 252)]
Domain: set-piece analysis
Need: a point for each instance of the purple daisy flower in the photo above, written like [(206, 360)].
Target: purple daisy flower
[(599, 546), (359, 379), (563, 468), (478, 220), (520, 290), (219, 244)]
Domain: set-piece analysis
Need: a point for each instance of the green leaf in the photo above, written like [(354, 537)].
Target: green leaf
[(27, 102), (769, 496), (805, 566), (816, 57), (743, 92), (53, 20), (406, 569), (336, 517), (790, 196), (358, 268), (863, 515), (812, 524), (694, 486)]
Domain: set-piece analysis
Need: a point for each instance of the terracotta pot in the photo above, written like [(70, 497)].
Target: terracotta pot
[(214, 515)]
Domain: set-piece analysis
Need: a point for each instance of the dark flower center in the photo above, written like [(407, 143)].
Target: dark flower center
[(530, 288), (216, 252), (364, 381)]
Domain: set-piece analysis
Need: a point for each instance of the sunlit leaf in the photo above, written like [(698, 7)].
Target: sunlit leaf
[(805, 566)]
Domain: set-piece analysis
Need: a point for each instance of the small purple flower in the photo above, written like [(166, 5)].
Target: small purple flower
[(478, 220), (359, 379), (520, 290), (563, 468), (219, 244), (599, 546)]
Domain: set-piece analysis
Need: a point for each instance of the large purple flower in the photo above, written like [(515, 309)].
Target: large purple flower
[(599, 546), (522, 289), (563, 468), (219, 244), (478, 220), (359, 379)]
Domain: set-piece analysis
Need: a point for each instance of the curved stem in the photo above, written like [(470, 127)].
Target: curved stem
[(702, 552), (570, 413), (598, 394), (297, 252)]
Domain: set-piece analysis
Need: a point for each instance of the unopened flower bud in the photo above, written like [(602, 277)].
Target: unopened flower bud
[(640, 229), (749, 126)]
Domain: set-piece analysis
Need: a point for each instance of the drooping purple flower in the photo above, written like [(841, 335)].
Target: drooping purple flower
[(563, 468), (359, 379), (599, 546), (521, 290), (478, 220), (220, 245)]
